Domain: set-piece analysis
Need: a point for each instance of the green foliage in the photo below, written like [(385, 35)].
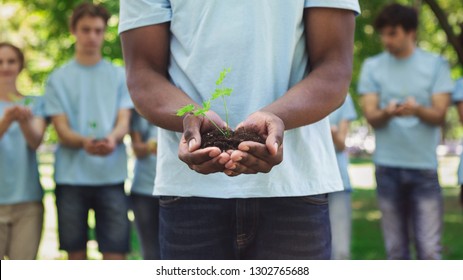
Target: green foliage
[(218, 92), (40, 28)]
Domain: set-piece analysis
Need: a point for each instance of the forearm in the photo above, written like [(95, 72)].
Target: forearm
[(339, 142), (156, 98), (430, 115), (71, 139), (315, 97), (33, 131), (378, 118), (4, 125)]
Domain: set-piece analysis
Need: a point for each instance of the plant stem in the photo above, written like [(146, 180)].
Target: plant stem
[(226, 113), (221, 131)]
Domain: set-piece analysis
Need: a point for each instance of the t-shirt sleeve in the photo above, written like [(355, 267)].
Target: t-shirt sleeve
[(38, 107), (457, 94), (367, 83), (139, 13), (443, 81), (53, 105), (348, 112), (125, 102), (338, 4)]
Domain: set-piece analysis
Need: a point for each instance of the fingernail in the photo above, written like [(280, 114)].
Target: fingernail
[(238, 159), (245, 148), (191, 144), (276, 146)]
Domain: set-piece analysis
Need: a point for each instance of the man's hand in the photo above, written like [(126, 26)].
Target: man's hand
[(91, 146), (24, 114), (106, 146), (204, 161), (252, 157), (408, 108)]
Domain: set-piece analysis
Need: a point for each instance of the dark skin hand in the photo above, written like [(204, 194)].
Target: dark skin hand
[(320, 93)]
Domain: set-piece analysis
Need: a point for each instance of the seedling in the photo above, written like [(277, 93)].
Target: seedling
[(93, 125), (26, 101), (220, 91)]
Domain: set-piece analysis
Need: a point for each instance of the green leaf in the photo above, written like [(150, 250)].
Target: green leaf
[(185, 110)]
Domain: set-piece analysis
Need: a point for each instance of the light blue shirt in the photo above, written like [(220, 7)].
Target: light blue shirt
[(406, 142), (344, 113), (263, 41), (145, 168), (457, 96), (19, 175), (90, 97)]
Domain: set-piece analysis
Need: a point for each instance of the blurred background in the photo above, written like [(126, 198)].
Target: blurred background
[(40, 28)]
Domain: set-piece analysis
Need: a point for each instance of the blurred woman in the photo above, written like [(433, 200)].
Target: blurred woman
[(22, 126)]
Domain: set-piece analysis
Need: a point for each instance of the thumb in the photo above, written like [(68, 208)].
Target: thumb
[(191, 132), (274, 139)]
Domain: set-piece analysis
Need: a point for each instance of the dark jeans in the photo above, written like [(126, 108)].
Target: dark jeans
[(254, 228), (112, 224), (411, 206), (146, 211)]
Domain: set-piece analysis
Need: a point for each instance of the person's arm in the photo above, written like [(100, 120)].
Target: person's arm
[(9, 116), (32, 127), (339, 134), (146, 55), (330, 42), (374, 115), (67, 136), (121, 128), (433, 115), (70, 138), (141, 149)]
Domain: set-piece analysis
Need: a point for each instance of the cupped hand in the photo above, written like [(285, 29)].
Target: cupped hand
[(252, 157), (208, 160)]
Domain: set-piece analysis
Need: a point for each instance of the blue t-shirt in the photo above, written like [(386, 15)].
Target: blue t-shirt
[(344, 113), (457, 96), (19, 175), (145, 168), (406, 142), (263, 41), (90, 97)]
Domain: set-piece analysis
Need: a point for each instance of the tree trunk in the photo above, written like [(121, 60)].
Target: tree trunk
[(455, 40)]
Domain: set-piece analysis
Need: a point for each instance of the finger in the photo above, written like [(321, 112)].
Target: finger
[(247, 163), (191, 132), (275, 136), (211, 166), (199, 156)]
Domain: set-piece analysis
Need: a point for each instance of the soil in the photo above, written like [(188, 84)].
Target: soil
[(215, 138)]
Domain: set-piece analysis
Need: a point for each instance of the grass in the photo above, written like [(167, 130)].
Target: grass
[(367, 242)]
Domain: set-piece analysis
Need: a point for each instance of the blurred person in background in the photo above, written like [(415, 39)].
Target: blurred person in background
[(22, 126), (89, 104), (144, 204), (457, 97), (340, 202), (405, 95)]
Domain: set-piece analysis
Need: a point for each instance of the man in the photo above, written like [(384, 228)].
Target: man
[(405, 98), (90, 108), (174, 51)]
